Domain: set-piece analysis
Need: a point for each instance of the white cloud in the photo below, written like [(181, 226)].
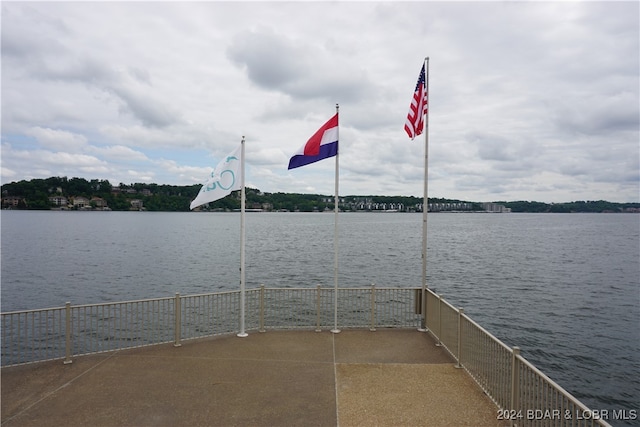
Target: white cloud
[(120, 152), (528, 100), (57, 139)]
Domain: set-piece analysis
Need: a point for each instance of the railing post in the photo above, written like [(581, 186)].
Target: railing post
[(67, 321), (262, 329), (373, 308), (439, 343), (460, 313), (515, 381), (177, 309), (318, 329)]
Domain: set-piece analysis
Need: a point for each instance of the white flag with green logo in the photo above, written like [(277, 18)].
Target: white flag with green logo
[(225, 178)]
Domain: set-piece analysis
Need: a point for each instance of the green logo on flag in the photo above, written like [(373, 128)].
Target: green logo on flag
[(226, 178)]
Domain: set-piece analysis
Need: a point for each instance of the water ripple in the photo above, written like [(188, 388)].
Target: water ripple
[(564, 288)]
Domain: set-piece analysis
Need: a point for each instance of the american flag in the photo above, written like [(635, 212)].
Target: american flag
[(415, 119)]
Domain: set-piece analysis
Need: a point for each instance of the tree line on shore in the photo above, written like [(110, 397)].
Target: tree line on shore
[(44, 194)]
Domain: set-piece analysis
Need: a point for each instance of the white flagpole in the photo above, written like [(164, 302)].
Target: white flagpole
[(335, 329), (425, 202), (242, 332)]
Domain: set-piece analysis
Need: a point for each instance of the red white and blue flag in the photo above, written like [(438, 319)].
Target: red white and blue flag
[(322, 145), (418, 108)]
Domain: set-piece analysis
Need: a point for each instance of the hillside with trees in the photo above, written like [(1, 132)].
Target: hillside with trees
[(62, 193)]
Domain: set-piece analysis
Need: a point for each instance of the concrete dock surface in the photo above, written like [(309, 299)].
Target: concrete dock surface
[(390, 377)]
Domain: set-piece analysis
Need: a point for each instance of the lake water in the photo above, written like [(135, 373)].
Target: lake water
[(565, 288)]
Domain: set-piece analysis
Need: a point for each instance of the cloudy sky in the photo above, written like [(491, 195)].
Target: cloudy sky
[(528, 100)]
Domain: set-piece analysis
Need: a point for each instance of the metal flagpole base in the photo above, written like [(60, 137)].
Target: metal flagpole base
[(335, 331), (242, 335)]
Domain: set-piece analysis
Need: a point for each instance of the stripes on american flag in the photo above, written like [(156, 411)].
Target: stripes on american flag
[(415, 119)]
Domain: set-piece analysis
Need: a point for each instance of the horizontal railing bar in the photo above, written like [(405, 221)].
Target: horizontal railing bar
[(552, 383), (216, 293), (121, 302), (328, 288), (6, 313), (489, 334), (32, 311), (331, 288), (451, 306)]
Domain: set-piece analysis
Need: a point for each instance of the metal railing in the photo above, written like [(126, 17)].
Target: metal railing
[(73, 330), (525, 395)]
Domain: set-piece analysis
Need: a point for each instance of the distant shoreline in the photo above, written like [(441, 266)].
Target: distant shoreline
[(62, 193)]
